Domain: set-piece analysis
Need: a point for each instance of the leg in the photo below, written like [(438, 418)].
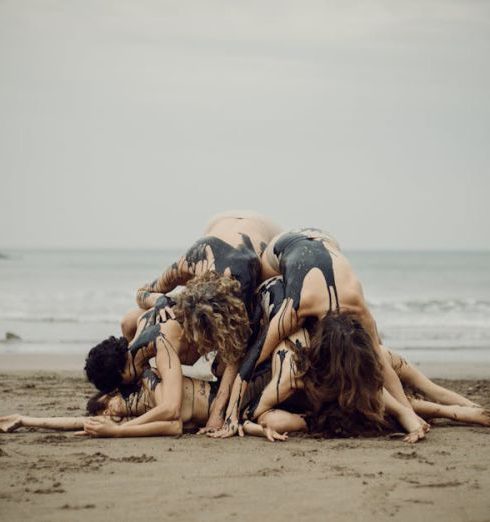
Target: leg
[(129, 323), (416, 379), (467, 414), (406, 417), (282, 421)]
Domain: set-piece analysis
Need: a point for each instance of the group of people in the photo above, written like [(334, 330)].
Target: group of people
[(291, 344)]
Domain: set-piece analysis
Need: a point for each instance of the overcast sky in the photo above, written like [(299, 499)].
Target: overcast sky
[(128, 124)]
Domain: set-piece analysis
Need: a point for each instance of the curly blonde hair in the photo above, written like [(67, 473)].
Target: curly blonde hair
[(213, 316)]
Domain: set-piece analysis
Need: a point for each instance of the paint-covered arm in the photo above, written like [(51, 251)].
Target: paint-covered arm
[(218, 408), (168, 395), (176, 274), (280, 387)]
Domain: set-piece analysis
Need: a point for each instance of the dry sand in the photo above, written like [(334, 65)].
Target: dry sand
[(57, 476)]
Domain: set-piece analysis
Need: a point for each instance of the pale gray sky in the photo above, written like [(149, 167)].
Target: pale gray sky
[(127, 124)]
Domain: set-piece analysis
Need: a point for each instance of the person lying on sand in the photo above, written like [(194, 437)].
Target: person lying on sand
[(232, 246), (207, 315), (286, 406), (320, 291), (109, 413)]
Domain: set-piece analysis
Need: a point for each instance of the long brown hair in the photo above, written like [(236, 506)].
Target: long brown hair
[(213, 316), (343, 367)]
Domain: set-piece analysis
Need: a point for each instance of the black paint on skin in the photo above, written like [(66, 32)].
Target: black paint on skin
[(242, 262), (297, 255), (213, 390), (270, 297), (147, 336), (153, 316), (282, 356), (152, 378)]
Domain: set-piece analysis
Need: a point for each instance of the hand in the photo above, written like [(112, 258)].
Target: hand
[(97, 428), (215, 423), (272, 435), (229, 429), (10, 423)]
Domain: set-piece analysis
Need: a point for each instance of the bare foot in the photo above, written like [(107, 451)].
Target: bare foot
[(471, 414), (414, 425), (10, 423)]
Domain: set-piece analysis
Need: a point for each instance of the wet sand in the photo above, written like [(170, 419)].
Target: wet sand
[(57, 476)]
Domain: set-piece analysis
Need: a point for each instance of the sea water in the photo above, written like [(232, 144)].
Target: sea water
[(426, 304)]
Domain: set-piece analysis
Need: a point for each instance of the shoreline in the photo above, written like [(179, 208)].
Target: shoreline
[(457, 368)]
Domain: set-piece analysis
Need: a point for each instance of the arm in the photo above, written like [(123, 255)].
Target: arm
[(280, 387), (13, 422), (168, 394), (218, 408), (177, 274), (390, 378), (151, 429), (281, 325)]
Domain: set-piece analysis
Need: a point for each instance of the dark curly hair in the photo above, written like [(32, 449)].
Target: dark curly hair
[(343, 368), (213, 316), (105, 363)]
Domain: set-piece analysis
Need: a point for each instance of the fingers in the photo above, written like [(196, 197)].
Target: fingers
[(80, 433), (241, 432), (415, 436), (206, 429)]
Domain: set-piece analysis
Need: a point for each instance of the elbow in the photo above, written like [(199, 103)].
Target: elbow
[(171, 428), (177, 428), (168, 412)]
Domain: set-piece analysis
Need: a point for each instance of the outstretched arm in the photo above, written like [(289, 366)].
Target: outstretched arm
[(13, 422), (96, 428), (176, 274)]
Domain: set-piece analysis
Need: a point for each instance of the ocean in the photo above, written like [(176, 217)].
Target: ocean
[(428, 305)]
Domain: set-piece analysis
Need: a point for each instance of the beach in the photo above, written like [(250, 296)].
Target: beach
[(428, 306), (59, 476)]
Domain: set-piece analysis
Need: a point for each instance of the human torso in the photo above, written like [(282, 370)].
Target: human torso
[(232, 246), (316, 254), (153, 325), (196, 401)]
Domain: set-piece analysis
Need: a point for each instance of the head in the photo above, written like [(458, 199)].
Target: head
[(213, 316), (343, 367), (98, 403), (106, 363)]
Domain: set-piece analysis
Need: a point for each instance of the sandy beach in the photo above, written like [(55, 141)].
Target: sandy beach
[(58, 476)]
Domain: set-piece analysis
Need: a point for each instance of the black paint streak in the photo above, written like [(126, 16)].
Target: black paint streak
[(282, 356), (298, 254), (242, 262), (147, 336), (152, 378)]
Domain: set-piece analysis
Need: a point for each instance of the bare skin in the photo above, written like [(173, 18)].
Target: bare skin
[(238, 239), (169, 346), (115, 412), (313, 297), (264, 415), (230, 228)]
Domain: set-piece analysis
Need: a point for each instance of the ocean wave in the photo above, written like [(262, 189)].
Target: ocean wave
[(433, 305), (28, 317)]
